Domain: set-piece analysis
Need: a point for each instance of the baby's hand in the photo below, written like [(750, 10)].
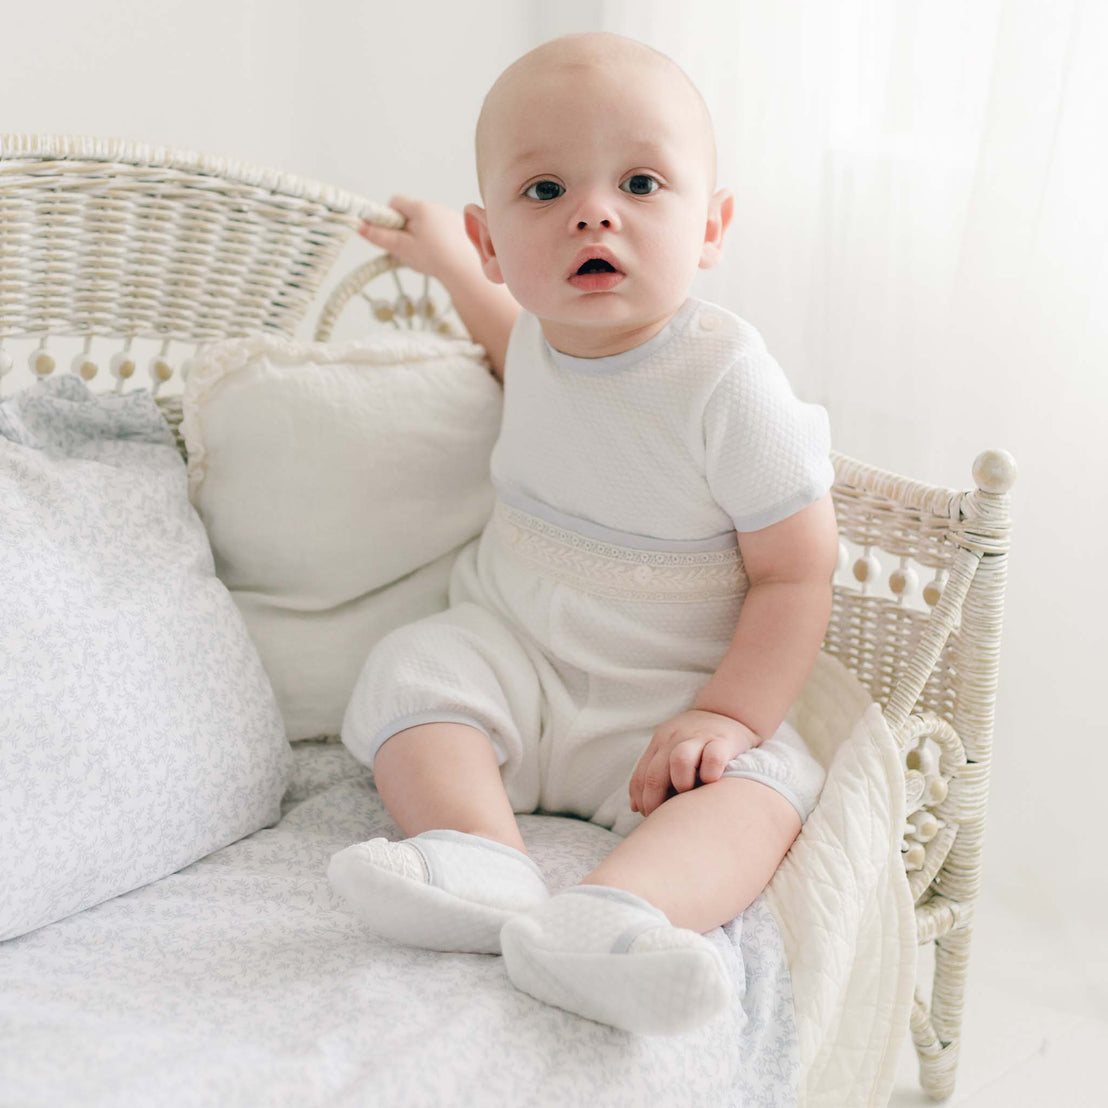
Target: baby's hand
[(434, 240), (692, 739)]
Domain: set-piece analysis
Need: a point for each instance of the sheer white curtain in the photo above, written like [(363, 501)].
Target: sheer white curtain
[(920, 230)]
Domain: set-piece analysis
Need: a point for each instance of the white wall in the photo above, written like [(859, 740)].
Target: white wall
[(373, 97), (382, 98), (931, 263)]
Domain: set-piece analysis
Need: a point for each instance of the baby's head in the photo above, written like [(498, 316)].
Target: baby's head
[(596, 140)]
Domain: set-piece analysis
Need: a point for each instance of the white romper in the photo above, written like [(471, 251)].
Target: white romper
[(606, 587)]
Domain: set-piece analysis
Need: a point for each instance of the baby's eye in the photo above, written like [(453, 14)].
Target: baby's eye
[(638, 180), (545, 186)]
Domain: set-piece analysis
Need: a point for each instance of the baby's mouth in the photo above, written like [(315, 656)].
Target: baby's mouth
[(596, 265), (597, 276)]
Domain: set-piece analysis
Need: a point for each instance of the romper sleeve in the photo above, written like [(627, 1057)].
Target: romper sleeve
[(767, 454)]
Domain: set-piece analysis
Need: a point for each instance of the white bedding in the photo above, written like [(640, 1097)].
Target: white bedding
[(242, 980)]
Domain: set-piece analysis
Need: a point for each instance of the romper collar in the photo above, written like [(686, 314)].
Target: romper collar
[(615, 363)]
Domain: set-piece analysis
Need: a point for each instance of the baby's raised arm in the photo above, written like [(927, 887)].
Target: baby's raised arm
[(434, 242)]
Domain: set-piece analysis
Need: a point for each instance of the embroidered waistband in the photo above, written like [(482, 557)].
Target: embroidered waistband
[(618, 572)]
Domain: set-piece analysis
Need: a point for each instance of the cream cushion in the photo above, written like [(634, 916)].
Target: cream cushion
[(337, 483)]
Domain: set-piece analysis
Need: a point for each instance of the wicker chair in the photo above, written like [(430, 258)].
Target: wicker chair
[(128, 244)]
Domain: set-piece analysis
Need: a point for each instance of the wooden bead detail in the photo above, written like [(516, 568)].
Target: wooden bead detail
[(122, 365), (922, 759), (933, 591), (422, 311), (867, 568), (82, 364), (42, 363), (159, 369), (933, 743), (903, 581), (914, 855), (925, 826), (936, 791)]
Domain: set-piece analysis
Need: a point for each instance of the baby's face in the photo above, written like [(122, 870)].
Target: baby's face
[(615, 159)]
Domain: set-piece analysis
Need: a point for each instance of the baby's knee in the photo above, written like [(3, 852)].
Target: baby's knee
[(435, 739)]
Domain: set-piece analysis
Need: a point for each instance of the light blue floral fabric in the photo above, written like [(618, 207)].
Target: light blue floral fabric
[(139, 739), (138, 730), (244, 980)]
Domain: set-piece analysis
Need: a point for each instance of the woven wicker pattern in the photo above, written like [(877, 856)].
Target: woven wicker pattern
[(117, 241)]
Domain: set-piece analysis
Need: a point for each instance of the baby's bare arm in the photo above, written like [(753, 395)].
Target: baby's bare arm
[(489, 311), (434, 242), (780, 631), (783, 620)]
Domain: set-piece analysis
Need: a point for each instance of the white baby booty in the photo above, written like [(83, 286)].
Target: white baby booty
[(611, 956), (441, 889)]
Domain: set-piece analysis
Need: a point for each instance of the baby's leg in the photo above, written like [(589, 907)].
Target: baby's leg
[(446, 711), (464, 870), (624, 946), (704, 855), (445, 775)]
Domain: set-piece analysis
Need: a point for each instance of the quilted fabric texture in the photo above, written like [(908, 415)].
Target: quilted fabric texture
[(688, 437), (337, 482), (611, 956), (245, 981), (439, 890), (140, 732), (248, 962), (842, 901)]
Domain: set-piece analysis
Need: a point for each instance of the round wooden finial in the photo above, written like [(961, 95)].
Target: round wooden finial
[(994, 471)]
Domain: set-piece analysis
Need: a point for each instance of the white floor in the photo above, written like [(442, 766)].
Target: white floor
[(1036, 1022)]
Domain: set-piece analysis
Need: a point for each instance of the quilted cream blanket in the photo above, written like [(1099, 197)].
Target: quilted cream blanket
[(842, 901)]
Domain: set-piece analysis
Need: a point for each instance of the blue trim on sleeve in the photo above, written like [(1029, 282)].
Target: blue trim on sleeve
[(777, 786), (808, 495), (405, 722)]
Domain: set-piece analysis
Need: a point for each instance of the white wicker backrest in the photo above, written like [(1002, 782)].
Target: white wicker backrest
[(118, 238), (117, 242)]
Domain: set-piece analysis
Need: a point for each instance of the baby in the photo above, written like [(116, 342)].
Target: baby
[(647, 600)]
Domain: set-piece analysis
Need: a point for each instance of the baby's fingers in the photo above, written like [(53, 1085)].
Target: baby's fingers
[(683, 760), (405, 205), (385, 237), (656, 782), (714, 760), (637, 778)]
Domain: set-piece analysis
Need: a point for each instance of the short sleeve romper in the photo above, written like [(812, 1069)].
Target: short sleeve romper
[(606, 587)]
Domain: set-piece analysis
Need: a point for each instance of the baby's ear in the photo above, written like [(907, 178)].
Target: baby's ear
[(720, 209), (477, 228)]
